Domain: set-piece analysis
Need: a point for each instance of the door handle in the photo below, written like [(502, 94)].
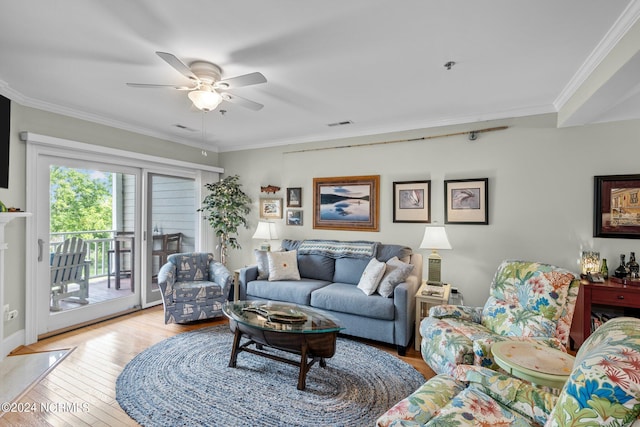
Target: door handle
[(40, 246)]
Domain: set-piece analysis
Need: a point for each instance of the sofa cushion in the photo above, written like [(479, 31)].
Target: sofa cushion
[(316, 267), (349, 270), (395, 273), (371, 276), (346, 298), (283, 266), (263, 264), (386, 252), (297, 292)]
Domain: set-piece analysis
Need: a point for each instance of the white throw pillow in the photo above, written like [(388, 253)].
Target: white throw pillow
[(283, 265), (263, 264), (371, 276), (396, 272)]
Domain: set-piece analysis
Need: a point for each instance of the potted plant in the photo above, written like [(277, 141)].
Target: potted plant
[(225, 208)]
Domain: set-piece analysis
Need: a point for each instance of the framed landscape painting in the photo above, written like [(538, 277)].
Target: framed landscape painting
[(294, 217), (412, 201), (346, 203), (270, 208), (466, 201), (617, 206)]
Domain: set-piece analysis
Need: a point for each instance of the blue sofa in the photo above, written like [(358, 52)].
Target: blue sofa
[(329, 276)]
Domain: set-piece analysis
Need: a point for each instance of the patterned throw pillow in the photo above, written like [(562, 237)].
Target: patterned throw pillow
[(395, 273), (371, 276), (283, 265), (263, 264)]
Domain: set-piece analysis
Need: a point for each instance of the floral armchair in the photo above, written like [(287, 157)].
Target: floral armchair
[(527, 301), (193, 286), (602, 390)]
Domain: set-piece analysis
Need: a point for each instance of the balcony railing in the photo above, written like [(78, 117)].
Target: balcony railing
[(98, 247)]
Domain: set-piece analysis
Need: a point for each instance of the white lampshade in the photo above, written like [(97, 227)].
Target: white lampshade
[(205, 100), (435, 237), (266, 231)]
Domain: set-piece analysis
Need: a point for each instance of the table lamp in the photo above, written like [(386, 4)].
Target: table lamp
[(435, 237), (266, 231)]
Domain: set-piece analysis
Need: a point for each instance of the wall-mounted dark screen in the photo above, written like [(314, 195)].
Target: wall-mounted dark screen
[(5, 125)]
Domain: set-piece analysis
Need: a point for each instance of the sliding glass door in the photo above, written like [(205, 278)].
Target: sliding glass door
[(88, 215), (171, 223)]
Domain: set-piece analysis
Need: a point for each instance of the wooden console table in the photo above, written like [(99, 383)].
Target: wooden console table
[(607, 294)]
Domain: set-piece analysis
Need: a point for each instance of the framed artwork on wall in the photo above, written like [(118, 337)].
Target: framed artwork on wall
[(412, 201), (270, 208), (616, 206), (294, 217), (346, 203), (466, 201), (294, 197)]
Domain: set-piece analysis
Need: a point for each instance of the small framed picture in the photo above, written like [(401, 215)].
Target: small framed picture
[(412, 201), (466, 201), (270, 208), (294, 197), (294, 217)]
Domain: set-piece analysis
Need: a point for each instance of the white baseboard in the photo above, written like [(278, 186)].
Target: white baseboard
[(12, 342)]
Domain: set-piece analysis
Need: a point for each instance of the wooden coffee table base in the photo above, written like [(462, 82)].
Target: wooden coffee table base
[(312, 347)]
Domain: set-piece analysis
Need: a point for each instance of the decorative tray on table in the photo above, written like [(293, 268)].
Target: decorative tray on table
[(279, 314)]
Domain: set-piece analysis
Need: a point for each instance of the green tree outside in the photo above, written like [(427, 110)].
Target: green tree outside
[(81, 200)]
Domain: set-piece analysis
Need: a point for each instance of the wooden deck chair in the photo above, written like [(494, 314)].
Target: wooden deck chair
[(69, 267)]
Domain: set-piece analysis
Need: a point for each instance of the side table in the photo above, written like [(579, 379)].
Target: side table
[(424, 302), (536, 363), (236, 285)]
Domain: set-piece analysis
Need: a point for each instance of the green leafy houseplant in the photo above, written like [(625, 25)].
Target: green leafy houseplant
[(225, 208)]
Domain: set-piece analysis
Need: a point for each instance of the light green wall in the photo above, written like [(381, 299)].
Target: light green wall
[(540, 190), (50, 124)]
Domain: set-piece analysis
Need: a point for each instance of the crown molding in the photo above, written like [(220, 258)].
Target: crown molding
[(623, 24)]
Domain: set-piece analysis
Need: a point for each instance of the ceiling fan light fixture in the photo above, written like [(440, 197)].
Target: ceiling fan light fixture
[(205, 100)]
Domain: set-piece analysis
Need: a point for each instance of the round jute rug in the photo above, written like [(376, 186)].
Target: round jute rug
[(185, 381)]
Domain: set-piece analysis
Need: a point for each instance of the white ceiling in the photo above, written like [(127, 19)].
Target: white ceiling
[(379, 64)]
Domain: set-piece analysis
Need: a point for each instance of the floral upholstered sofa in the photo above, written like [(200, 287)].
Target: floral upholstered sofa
[(528, 301), (603, 390)]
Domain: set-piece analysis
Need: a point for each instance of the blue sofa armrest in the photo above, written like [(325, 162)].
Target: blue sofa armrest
[(247, 274), (219, 274), (405, 311)]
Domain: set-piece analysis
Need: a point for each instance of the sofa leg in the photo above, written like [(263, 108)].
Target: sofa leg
[(402, 350)]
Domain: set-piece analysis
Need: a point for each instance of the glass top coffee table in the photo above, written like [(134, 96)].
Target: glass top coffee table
[(291, 328)]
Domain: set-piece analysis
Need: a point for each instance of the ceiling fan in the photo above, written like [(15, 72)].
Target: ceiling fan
[(208, 89)]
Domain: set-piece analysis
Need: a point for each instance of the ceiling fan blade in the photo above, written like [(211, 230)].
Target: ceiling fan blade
[(235, 99), (152, 86), (244, 80), (180, 66)]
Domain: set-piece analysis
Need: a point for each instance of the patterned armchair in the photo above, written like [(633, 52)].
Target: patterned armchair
[(194, 286), (603, 390), (527, 301)]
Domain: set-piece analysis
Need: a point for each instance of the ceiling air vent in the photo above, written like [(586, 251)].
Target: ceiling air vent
[(346, 122)]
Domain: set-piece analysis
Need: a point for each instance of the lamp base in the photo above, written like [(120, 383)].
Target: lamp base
[(265, 247), (434, 269)]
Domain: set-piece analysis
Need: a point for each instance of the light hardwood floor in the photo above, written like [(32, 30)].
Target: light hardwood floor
[(81, 389)]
